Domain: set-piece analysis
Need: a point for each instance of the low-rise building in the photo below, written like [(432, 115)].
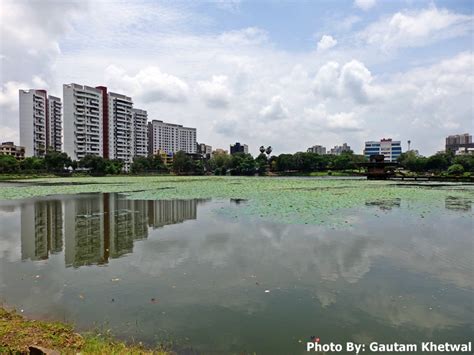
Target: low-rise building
[(220, 151), (9, 148), (239, 148), (389, 148), (204, 149)]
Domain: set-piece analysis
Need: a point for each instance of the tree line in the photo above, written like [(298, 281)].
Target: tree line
[(236, 164)]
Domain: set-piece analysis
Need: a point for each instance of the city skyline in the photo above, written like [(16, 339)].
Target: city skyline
[(399, 69)]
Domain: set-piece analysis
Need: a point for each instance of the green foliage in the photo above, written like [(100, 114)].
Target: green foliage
[(439, 162), (152, 163), (8, 164), (56, 161), (310, 162), (467, 161), (242, 164), (262, 163), (219, 163), (182, 163), (412, 162), (32, 164), (456, 169)]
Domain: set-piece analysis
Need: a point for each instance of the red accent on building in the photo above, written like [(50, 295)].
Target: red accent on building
[(105, 121)]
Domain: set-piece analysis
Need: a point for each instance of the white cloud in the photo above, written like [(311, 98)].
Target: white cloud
[(276, 110), (326, 42), (416, 28), (351, 81), (216, 92), (149, 84), (365, 4)]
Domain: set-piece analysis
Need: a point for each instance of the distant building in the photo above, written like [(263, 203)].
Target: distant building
[(390, 149), (459, 143), (140, 135), (204, 149), (219, 151), (239, 148), (170, 137), (318, 149), (339, 149), (40, 122), (9, 148)]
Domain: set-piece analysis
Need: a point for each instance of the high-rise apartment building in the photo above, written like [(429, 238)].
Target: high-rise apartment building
[(140, 132), (318, 149), (459, 143), (120, 129), (40, 122), (390, 149), (54, 124), (83, 121), (170, 138)]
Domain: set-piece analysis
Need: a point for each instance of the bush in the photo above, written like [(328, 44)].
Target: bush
[(456, 169)]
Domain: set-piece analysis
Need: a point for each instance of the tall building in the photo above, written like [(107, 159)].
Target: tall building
[(83, 121), (318, 149), (140, 136), (170, 138), (239, 148), (390, 149), (459, 143), (120, 129), (54, 124), (339, 149)]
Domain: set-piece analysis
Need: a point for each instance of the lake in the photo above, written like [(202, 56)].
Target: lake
[(242, 265)]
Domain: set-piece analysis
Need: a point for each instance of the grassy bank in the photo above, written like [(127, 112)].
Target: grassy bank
[(17, 334)]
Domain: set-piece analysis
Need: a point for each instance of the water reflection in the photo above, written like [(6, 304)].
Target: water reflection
[(385, 204), (458, 203), (95, 228)]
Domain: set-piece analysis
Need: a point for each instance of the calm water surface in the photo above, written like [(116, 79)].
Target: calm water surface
[(181, 271)]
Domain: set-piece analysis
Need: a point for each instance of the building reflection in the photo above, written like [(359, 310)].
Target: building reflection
[(95, 228), (41, 229)]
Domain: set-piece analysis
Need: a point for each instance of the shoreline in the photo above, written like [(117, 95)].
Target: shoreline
[(19, 334)]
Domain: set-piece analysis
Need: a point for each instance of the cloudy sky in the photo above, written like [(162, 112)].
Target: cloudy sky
[(290, 74)]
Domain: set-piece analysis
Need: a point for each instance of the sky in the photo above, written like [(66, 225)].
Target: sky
[(290, 74)]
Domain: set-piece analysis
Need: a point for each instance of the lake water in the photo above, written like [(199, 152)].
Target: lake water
[(180, 271)]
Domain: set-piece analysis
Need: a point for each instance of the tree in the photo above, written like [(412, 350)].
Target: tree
[(466, 160), (56, 161), (8, 164), (219, 163), (140, 165), (113, 167), (198, 167), (95, 164), (456, 169), (242, 164), (32, 164), (182, 163), (439, 161), (261, 162)]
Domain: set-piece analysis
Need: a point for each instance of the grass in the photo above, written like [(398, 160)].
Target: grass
[(17, 334)]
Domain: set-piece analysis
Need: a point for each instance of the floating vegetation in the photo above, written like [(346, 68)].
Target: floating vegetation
[(286, 200)]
